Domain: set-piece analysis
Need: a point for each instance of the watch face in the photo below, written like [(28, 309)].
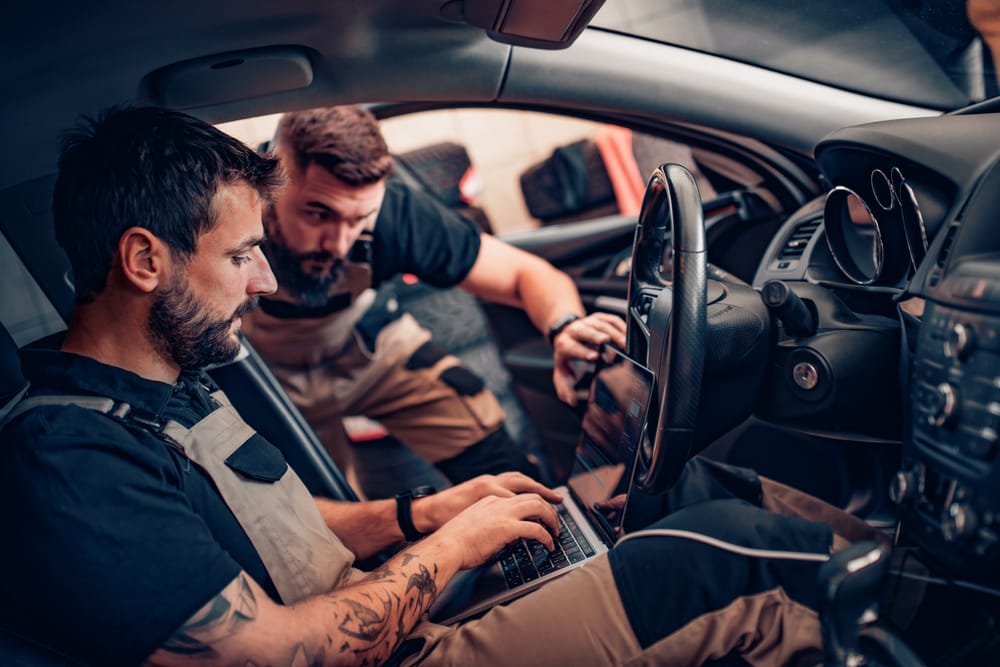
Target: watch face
[(421, 491)]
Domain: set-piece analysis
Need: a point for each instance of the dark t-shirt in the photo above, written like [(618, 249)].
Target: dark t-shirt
[(414, 233), (112, 538)]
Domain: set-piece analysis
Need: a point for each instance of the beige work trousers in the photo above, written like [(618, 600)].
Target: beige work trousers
[(416, 406), (579, 619)]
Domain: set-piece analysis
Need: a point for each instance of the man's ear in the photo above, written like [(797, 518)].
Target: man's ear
[(144, 258)]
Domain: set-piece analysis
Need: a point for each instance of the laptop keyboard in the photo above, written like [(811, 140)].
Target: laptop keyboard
[(527, 560)]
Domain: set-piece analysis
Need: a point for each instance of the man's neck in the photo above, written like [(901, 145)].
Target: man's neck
[(117, 339)]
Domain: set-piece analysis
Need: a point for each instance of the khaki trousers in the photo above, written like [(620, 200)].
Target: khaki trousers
[(579, 619), (414, 404)]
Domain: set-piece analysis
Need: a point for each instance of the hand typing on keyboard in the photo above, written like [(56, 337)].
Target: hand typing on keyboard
[(526, 560), (432, 512), (483, 529)]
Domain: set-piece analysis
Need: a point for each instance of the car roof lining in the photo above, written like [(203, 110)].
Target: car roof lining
[(357, 52), (380, 50)]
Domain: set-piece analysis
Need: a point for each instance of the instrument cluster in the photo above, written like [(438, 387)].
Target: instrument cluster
[(876, 233)]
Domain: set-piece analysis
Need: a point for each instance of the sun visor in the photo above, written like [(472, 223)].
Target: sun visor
[(551, 24), (229, 77)]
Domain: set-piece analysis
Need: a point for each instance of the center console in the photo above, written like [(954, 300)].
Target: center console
[(949, 485)]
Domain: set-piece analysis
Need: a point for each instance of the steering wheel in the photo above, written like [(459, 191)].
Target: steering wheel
[(667, 318)]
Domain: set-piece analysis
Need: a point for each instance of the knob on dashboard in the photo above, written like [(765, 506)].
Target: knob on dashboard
[(960, 521), (945, 404), (960, 341)]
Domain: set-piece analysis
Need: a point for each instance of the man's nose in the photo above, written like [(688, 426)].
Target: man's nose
[(337, 241), (262, 280)]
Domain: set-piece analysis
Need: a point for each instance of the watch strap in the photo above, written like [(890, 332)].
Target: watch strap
[(559, 325), (404, 511)]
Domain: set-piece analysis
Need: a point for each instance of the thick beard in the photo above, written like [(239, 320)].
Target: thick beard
[(182, 330), (308, 289)]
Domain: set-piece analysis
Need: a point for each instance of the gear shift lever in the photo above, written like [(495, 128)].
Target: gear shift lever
[(849, 583)]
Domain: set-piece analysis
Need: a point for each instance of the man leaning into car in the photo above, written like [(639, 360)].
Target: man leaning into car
[(145, 521), (342, 226)]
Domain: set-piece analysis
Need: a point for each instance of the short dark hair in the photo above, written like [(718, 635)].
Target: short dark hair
[(345, 140), (144, 167)]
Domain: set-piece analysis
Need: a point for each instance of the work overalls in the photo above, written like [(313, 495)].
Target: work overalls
[(355, 356)]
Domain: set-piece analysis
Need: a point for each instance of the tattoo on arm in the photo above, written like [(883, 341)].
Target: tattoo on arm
[(363, 621), (373, 625), (227, 612), (370, 619), (424, 583)]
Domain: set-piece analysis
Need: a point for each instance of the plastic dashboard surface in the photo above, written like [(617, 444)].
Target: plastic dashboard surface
[(940, 160), (948, 487)]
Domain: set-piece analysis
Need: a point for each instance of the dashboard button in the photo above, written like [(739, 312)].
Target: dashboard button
[(960, 342)]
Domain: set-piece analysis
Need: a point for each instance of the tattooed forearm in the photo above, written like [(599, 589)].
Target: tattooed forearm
[(423, 582), (361, 623), (365, 622), (380, 573), (220, 618), (374, 622)]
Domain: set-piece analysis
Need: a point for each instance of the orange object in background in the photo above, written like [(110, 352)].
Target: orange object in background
[(615, 145)]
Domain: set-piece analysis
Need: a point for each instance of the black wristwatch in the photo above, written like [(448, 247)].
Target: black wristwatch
[(404, 515), (559, 325)]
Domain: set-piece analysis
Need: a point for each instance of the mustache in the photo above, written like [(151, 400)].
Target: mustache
[(248, 307), (317, 256)]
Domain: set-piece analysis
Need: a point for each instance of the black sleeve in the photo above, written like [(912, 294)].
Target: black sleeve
[(105, 557), (416, 234)]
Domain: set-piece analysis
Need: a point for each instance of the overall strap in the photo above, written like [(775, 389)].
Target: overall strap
[(100, 404), (302, 556)]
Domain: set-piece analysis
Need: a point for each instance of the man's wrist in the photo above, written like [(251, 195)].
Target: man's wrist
[(558, 326), (421, 511), (404, 511)]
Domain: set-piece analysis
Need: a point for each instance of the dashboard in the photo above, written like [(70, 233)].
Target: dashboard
[(912, 216)]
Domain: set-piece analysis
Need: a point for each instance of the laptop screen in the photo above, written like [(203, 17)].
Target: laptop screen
[(614, 425)]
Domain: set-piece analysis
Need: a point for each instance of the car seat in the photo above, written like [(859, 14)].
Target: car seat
[(12, 382), (571, 184), (15, 650), (445, 171)]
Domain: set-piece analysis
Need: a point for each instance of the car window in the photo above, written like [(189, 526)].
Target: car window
[(25, 311), (517, 170), (922, 52)]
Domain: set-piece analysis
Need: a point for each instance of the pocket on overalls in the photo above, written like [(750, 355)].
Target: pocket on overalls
[(472, 391)]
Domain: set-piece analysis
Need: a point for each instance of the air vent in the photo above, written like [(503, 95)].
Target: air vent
[(935, 275), (949, 238), (797, 241)]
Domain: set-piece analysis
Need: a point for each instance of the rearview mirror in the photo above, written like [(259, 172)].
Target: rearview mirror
[(543, 24)]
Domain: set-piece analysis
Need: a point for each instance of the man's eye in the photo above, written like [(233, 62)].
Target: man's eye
[(239, 260), (318, 216)]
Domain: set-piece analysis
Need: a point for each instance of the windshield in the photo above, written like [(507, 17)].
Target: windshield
[(922, 52)]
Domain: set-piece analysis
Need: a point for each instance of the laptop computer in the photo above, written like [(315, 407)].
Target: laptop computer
[(595, 495)]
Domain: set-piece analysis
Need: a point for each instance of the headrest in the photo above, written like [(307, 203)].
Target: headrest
[(12, 382)]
